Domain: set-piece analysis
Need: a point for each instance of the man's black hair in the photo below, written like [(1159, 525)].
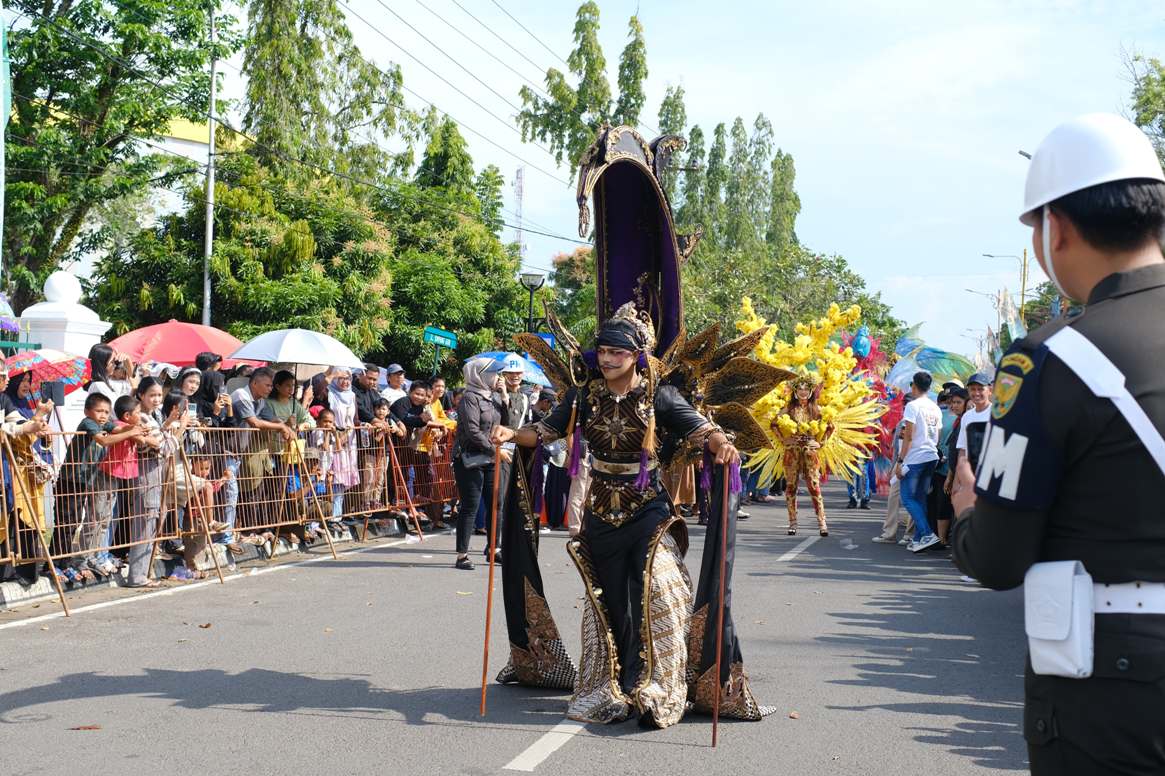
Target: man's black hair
[(1120, 216), (93, 399), (922, 381), (207, 360), (420, 384)]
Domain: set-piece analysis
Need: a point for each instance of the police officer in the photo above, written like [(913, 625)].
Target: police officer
[(1064, 475)]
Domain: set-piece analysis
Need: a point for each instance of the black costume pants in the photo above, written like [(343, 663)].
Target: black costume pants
[(1111, 723), (619, 556)]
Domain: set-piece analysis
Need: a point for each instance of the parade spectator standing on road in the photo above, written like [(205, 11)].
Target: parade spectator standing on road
[(1073, 467), (973, 424), (481, 409), (922, 422)]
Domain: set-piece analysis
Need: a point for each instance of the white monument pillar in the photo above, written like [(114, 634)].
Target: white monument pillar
[(61, 322)]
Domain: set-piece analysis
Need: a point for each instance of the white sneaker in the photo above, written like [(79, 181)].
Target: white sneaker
[(969, 580), (905, 541), (882, 540), (929, 540)]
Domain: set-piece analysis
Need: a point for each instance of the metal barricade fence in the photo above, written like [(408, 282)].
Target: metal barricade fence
[(428, 473), (76, 498), (254, 484), (70, 499)]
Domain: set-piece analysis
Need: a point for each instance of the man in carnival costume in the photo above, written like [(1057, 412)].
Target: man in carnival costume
[(648, 638)]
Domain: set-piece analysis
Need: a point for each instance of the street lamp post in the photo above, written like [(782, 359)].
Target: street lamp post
[(1022, 278), (532, 281)]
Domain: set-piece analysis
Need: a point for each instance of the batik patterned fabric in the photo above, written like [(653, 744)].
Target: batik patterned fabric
[(661, 690)]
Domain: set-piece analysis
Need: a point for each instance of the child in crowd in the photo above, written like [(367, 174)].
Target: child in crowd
[(196, 491), (85, 492), (331, 441)]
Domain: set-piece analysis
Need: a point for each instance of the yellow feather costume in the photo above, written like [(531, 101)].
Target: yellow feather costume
[(848, 406)]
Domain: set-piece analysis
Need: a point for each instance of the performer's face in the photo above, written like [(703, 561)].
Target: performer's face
[(803, 393), (615, 362)]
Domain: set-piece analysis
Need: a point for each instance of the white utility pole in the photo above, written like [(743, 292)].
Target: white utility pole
[(208, 244)]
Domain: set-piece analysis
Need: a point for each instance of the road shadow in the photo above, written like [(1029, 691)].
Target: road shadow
[(259, 690), (921, 631)]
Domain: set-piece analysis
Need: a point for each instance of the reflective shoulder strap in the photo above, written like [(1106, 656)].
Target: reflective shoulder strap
[(1106, 381)]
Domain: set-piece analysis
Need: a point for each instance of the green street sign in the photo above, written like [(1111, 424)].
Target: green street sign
[(440, 337)]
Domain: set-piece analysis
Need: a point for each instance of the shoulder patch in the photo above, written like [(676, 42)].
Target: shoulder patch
[(1021, 361), (1007, 388)]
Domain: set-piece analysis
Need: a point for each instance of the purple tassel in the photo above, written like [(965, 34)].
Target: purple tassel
[(536, 477), (644, 478), (642, 360), (734, 483), (575, 453), (706, 472)]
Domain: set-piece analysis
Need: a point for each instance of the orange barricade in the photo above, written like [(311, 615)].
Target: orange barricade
[(76, 500), (72, 499), (256, 484)]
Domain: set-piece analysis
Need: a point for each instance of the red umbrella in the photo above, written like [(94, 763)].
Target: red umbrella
[(177, 343)]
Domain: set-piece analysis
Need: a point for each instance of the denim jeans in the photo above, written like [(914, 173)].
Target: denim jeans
[(230, 509), (915, 486), (862, 488)]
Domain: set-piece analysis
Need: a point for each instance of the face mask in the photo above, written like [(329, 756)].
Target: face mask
[(1047, 235)]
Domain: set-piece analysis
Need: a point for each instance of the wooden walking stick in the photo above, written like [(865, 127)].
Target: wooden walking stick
[(720, 609), (489, 593)]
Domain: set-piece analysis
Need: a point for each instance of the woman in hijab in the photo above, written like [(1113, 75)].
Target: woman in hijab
[(480, 410), (345, 472)]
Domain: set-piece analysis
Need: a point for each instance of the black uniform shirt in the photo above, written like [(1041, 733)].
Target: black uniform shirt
[(1062, 476)]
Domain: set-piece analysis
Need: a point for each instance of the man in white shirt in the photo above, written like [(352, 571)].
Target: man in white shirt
[(973, 426), (396, 390), (922, 424)]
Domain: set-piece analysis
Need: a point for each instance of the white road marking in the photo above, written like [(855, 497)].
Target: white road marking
[(545, 746), (793, 553), (253, 572)]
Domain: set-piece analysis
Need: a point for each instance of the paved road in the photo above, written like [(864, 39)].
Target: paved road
[(371, 663)]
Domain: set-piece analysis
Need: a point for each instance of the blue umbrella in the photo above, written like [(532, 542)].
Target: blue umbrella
[(533, 372)]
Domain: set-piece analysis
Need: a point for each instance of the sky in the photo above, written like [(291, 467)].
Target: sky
[(904, 118)]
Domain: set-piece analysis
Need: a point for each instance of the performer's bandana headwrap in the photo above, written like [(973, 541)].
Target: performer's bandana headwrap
[(627, 329)]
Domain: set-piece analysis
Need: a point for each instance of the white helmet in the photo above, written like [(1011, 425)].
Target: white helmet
[(1088, 150), (513, 363)]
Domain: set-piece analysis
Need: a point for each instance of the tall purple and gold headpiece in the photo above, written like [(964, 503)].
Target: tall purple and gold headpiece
[(638, 252)]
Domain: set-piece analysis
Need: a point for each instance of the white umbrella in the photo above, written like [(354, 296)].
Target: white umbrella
[(298, 346)]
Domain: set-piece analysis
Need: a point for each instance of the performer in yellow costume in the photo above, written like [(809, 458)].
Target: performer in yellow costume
[(797, 427), (818, 424)]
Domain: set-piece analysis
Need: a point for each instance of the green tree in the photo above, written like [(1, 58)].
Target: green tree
[(691, 210), (90, 82), (673, 120), (715, 181), (448, 270), (632, 74), (447, 163), (1148, 98), (287, 253), (784, 204), (569, 117), (488, 188), (309, 89), (573, 281)]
